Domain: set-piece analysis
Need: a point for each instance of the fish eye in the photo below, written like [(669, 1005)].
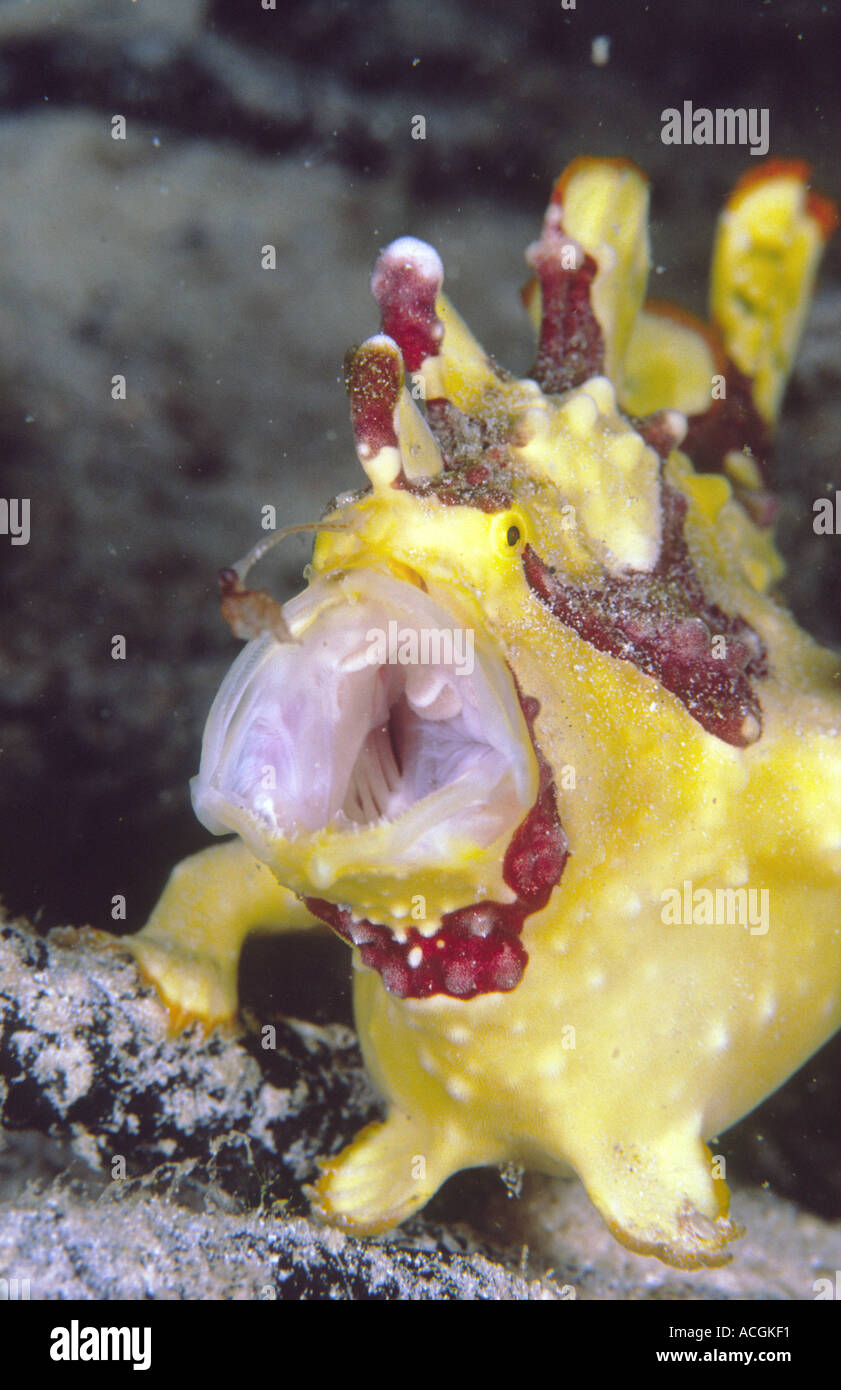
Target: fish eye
[(509, 531)]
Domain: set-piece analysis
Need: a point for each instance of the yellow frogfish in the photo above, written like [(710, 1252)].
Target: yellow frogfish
[(537, 741)]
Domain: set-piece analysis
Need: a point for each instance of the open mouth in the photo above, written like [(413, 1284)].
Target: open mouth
[(385, 716)]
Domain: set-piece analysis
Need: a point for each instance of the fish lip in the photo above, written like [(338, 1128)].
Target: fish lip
[(427, 828)]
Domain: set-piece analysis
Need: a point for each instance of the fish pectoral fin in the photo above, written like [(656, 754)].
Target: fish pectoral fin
[(387, 1173), (660, 1198), (190, 946)]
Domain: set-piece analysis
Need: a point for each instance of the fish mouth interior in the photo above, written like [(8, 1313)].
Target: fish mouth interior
[(383, 712)]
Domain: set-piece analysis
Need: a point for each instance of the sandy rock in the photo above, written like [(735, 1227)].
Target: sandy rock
[(141, 1163)]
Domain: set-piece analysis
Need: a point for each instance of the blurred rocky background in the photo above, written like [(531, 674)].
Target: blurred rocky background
[(141, 257)]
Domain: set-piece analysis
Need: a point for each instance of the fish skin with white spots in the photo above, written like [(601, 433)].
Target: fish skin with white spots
[(522, 850)]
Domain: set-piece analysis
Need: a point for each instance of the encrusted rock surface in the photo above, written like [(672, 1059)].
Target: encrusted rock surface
[(138, 1245), (174, 1163), (141, 1163), (86, 1052)]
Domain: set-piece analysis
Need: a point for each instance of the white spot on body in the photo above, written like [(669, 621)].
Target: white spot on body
[(458, 1034), (458, 1088), (322, 872), (718, 1038), (827, 838), (551, 1065)]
